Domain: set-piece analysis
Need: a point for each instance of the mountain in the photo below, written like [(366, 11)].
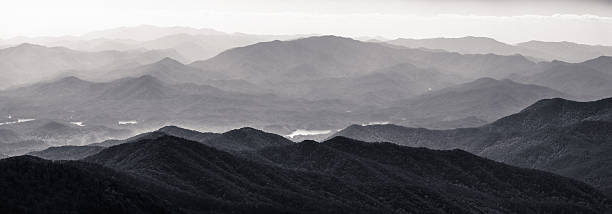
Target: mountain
[(22, 146), (343, 175), (146, 102), (147, 32), (237, 140), (577, 79), (187, 133), (33, 185), (246, 139), (57, 133), (468, 45), (242, 139), (67, 152), (204, 46), (380, 87), (191, 44), (213, 177), (536, 50), (329, 56), (36, 135), (561, 136), (29, 63), (485, 99), (568, 51), (602, 64), (143, 87), (169, 70)]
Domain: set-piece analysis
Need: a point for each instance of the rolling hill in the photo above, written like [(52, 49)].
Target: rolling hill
[(561, 136), (343, 175)]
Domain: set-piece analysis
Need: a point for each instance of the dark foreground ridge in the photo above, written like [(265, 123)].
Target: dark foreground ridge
[(337, 176), (32, 185), (562, 136)]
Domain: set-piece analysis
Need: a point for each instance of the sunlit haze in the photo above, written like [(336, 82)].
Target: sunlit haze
[(509, 21)]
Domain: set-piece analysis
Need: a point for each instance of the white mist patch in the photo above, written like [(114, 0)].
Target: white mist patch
[(17, 121), (376, 123), (302, 132), (78, 123), (129, 122)]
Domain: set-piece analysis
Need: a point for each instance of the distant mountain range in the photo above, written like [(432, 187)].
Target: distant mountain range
[(587, 80), (338, 175), (564, 51), (444, 125), (191, 43), (237, 140), (486, 99), (21, 138), (566, 137), (284, 86), (147, 102), (29, 63), (330, 56)]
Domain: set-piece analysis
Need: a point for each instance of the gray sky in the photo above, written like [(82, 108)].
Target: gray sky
[(586, 21)]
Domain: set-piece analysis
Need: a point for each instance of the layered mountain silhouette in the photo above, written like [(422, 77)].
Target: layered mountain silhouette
[(148, 32), (562, 136), (67, 152), (330, 56), (192, 44), (149, 101), (381, 87), (337, 176), (469, 45), (21, 138), (285, 84), (29, 63), (500, 130), (237, 140), (486, 99), (602, 63), (568, 51), (583, 80), (537, 50)]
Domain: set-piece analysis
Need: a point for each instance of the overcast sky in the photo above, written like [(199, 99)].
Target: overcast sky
[(512, 21)]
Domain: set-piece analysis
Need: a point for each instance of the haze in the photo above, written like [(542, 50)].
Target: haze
[(507, 21)]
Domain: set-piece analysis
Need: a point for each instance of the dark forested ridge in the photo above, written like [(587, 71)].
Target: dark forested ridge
[(340, 175), (557, 135), (33, 185)]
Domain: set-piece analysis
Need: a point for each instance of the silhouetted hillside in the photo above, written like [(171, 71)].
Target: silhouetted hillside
[(343, 175), (566, 137), (485, 98), (33, 185), (212, 176), (30, 63), (67, 152)]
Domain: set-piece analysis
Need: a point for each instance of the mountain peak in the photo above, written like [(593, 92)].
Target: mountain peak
[(169, 61), (486, 80), (168, 128), (71, 80), (29, 46), (556, 112), (146, 80), (143, 87), (248, 138)]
